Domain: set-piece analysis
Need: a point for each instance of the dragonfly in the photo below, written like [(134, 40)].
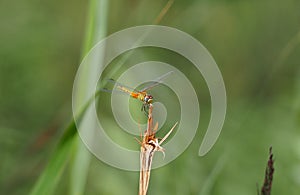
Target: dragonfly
[(142, 94)]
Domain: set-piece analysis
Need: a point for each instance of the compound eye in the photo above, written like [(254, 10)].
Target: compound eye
[(150, 98)]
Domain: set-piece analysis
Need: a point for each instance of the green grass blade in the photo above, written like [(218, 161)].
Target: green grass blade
[(49, 179), (96, 30)]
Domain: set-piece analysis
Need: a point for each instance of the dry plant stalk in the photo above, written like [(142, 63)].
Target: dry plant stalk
[(149, 145), (266, 188)]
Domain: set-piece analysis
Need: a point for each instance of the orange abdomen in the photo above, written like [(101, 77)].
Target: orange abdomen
[(134, 95)]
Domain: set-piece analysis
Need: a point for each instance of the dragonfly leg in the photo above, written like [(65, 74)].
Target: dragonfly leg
[(146, 109), (143, 107)]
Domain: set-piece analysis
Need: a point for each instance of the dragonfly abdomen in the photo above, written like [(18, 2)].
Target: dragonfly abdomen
[(132, 94)]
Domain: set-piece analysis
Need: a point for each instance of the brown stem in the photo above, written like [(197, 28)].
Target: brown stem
[(149, 145), (266, 188)]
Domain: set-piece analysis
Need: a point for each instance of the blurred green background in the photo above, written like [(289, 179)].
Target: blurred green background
[(255, 44)]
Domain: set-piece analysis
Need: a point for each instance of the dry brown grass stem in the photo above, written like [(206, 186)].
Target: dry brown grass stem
[(149, 145)]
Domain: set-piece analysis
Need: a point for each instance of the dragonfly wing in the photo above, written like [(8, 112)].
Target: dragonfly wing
[(118, 88), (107, 90), (157, 81), (114, 90), (119, 84)]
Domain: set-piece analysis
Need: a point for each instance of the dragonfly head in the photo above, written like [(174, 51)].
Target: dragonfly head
[(148, 99)]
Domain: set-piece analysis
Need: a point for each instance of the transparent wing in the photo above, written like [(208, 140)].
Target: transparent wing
[(113, 90), (117, 87), (157, 81), (120, 84)]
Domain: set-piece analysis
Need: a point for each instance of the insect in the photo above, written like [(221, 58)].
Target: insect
[(142, 94)]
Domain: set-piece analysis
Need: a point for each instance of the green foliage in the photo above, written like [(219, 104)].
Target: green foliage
[(52, 174), (255, 44)]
